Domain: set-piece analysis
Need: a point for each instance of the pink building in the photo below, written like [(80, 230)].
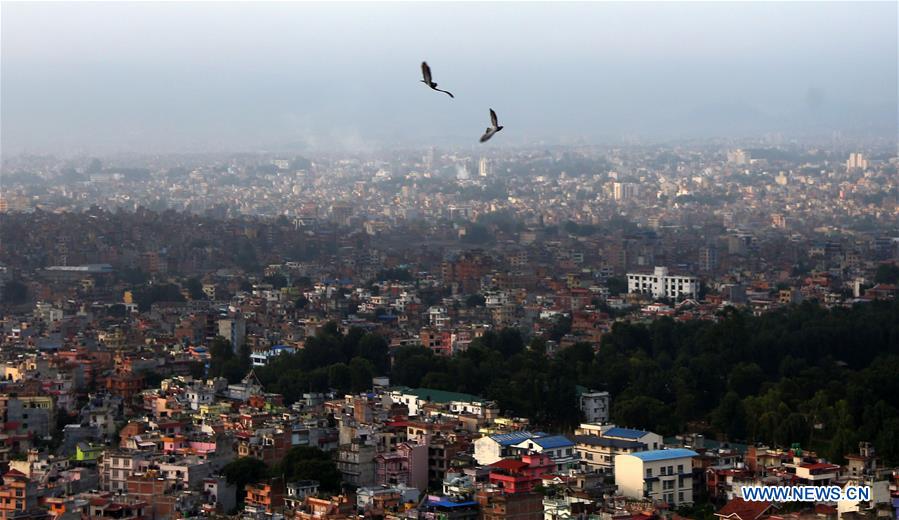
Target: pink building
[(520, 476), (408, 465)]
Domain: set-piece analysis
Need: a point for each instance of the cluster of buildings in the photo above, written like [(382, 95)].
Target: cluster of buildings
[(162, 452), (115, 281)]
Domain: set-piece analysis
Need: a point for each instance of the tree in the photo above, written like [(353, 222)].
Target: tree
[(307, 463), (146, 296), (340, 377), (361, 372), (730, 417), (195, 289), (276, 280), (374, 348), (14, 292), (887, 273), (303, 282), (243, 471), (476, 234), (224, 362), (617, 285), (475, 300)]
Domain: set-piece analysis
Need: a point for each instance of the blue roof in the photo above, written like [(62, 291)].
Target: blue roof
[(626, 433), (508, 439), (449, 503), (652, 455), (555, 441)]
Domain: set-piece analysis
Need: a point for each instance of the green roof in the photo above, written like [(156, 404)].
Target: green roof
[(441, 396)]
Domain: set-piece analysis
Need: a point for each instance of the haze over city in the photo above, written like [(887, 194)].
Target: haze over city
[(449, 261), (100, 78)]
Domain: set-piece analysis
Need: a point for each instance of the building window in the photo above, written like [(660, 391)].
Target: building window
[(649, 472)]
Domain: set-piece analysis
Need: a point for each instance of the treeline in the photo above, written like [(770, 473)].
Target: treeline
[(329, 360), (823, 378)]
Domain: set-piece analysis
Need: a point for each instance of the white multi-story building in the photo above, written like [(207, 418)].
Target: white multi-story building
[(663, 475), (438, 317), (625, 191), (484, 167), (857, 160), (662, 285), (739, 157), (651, 440), (595, 406)]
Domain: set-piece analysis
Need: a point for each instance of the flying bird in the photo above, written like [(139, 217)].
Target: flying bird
[(426, 72), (491, 129)]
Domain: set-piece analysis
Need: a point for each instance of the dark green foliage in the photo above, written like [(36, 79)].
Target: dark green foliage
[(15, 292), (498, 367), (303, 282), (617, 285), (305, 463), (330, 360), (243, 471), (117, 310), (224, 362), (146, 296), (475, 300), (133, 276), (195, 289), (561, 327), (277, 280), (887, 273), (476, 234), (825, 379)]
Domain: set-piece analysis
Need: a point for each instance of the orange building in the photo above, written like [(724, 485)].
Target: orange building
[(334, 508), (124, 385), (17, 494), (265, 498)]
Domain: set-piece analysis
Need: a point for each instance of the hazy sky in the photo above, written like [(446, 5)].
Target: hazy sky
[(147, 77)]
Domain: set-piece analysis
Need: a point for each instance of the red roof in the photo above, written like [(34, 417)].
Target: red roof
[(509, 465), (743, 510), (14, 473)]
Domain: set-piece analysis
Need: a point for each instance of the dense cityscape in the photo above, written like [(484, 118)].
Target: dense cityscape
[(613, 333), (449, 260)]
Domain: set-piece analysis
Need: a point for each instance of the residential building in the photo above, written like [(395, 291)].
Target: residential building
[(652, 441), (407, 465), (660, 475), (595, 407), (598, 454), (491, 448), (557, 447), (660, 284)]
